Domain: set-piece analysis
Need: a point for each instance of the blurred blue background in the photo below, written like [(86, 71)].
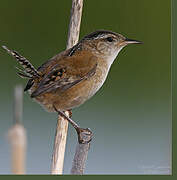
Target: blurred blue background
[(131, 114)]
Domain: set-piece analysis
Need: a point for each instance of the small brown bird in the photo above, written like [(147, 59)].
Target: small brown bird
[(73, 76)]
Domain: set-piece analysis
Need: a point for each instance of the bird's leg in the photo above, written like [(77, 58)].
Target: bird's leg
[(84, 135), (70, 113)]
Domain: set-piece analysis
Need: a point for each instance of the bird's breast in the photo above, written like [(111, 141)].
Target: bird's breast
[(99, 78)]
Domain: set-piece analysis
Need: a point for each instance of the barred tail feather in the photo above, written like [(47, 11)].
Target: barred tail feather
[(29, 70), (23, 74)]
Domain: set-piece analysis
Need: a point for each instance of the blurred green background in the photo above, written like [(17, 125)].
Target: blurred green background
[(131, 114)]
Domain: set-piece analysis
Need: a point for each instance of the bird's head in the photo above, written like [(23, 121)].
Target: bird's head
[(106, 44)]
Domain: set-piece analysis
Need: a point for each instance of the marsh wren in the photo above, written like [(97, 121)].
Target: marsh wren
[(73, 76)]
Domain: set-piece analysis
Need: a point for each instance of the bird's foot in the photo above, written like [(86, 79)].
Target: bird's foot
[(84, 135)]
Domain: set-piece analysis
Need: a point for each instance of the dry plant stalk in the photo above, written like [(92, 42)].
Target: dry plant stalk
[(81, 153), (17, 135), (62, 124), (80, 158)]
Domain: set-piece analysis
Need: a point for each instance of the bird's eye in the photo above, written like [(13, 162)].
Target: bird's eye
[(110, 39)]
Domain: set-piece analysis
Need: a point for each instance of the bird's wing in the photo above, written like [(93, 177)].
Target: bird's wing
[(67, 73)]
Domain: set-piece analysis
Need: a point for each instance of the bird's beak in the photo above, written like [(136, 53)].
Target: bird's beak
[(132, 41)]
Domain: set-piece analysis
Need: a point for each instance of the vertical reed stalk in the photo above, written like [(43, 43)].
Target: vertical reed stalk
[(62, 124), (17, 135)]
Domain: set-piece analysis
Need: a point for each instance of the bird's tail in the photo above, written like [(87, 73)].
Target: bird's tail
[(29, 70)]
